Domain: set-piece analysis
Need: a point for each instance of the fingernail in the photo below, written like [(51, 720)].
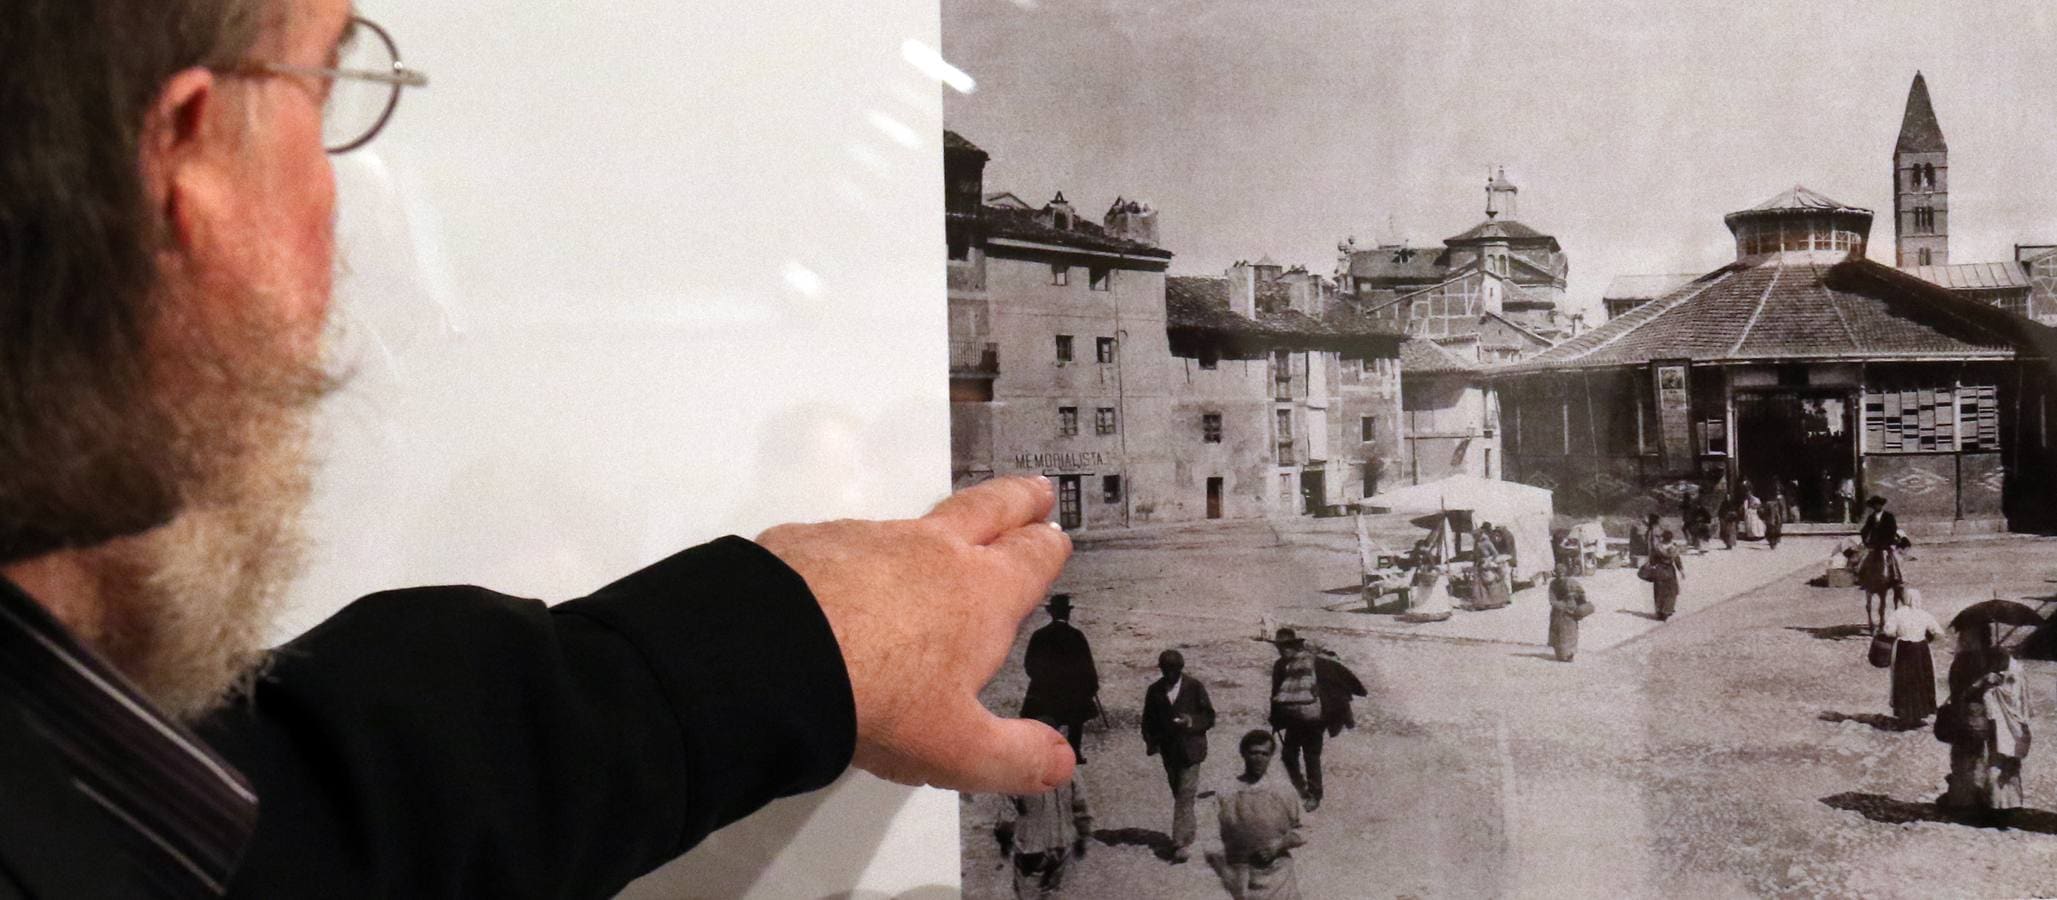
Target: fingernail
[(1044, 480), (1060, 528)]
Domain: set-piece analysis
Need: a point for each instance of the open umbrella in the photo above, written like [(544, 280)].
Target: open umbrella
[(1995, 612)]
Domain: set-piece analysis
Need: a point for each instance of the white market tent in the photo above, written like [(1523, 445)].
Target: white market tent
[(1524, 510)]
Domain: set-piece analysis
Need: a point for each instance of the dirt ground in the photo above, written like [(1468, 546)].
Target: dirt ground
[(1741, 749)]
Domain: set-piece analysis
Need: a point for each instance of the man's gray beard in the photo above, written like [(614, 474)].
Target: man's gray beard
[(188, 605)]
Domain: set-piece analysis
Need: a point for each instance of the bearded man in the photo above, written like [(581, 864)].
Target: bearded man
[(166, 244)]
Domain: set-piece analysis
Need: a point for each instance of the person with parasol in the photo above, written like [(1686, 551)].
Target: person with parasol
[(1986, 720)]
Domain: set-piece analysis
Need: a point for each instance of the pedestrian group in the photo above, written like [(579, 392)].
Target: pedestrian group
[(1259, 814)]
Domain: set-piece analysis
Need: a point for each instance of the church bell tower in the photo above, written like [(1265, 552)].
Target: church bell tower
[(1921, 185)]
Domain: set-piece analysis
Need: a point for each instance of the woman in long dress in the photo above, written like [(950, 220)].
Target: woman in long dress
[(1567, 606), (1914, 671), (1753, 516), (1729, 517), (1666, 568), (1489, 588)]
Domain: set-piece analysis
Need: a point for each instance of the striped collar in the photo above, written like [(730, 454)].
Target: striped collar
[(181, 816)]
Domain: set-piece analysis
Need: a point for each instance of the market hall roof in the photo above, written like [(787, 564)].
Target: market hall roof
[(1985, 276), (1201, 303), (1778, 308)]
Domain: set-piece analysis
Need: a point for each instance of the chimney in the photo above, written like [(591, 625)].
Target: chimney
[(1242, 289), (1062, 216), (1305, 292), (1490, 294), (1135, 220)]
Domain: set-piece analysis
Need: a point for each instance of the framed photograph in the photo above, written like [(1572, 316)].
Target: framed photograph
[(1443, 534)]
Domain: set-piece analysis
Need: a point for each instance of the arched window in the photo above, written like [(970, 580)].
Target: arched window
[(1928, 175), (1914, 177), (1923, 257)]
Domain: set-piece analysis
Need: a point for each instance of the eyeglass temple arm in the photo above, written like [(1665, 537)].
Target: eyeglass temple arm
[(399, 75)]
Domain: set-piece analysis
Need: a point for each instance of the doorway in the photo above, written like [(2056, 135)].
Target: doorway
[(1070, 512), (1313, 492), (1801, 439)]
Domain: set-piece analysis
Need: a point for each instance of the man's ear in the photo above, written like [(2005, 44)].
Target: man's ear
[(178, 141)]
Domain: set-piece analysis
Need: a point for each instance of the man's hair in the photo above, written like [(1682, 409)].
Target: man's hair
[(1253, 738), (80, 460), (1171, 658)]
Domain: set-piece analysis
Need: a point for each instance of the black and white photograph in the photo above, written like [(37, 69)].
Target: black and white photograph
[(1516, 449)]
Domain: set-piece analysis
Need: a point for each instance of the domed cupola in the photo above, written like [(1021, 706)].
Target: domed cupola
[(1800, 226)]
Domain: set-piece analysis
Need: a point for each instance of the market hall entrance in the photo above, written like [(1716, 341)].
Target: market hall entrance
[(1801, 439)]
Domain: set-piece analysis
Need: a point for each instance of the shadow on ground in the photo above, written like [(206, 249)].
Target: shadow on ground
[(1832, 632), (1881, 808), (1148, 838), (1879, 721), (1640, 614)]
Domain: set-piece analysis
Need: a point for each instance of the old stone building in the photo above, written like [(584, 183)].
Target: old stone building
[(1230, 397), (1329, 386), (1451, 415), (1494, 292), (1801, 363)]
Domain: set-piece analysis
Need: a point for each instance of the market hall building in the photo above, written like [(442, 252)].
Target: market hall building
[(1802, 362)]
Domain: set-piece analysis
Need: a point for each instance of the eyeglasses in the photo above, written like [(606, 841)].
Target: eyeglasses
[(364, 85)]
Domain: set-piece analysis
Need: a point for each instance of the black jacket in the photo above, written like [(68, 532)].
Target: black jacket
[(1062, 678), (1181, 746), (455, 742), (1880, 533)]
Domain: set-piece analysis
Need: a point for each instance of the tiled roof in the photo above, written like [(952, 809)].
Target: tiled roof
[(955, 143), (1987, 276), (1801, 197), (1398, 264), (1027, 225), (1919, 131), (1419, 357), (1200, 303), (1772, 309), (1500, 228), (1645, 287), (1516, 295)]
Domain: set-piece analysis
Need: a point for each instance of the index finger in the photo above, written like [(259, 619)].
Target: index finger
[(987, 510)]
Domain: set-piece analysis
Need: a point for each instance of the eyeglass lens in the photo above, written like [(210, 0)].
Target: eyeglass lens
[(356, 108)]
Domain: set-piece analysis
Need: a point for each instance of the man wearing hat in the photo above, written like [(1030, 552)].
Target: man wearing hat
[(1296, 714), (1879, 573), (1062, 679)]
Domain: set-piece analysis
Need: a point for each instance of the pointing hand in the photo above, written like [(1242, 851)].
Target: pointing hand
[(925, 611)]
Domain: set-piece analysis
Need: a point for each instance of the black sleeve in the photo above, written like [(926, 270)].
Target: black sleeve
[(455, 742)]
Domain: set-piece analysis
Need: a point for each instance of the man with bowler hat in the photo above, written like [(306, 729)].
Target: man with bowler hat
[(1062, 679), (1176, 716)]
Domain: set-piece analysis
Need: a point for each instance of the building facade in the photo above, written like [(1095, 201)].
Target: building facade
[(1147, 399), (1451, 415), (1804, 364)]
